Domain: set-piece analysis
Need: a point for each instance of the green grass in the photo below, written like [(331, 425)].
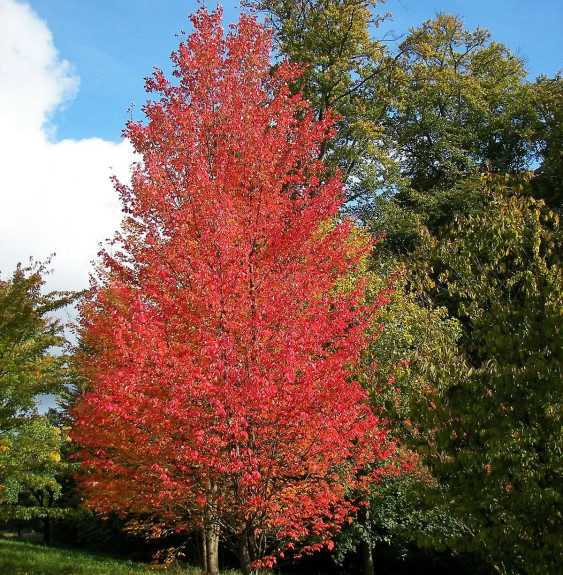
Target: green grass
[(21, 558)]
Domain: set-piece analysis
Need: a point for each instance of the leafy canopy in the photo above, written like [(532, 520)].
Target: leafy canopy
[(28, 336)]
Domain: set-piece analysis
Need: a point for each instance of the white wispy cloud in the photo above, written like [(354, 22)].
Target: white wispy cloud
[(55, 197)]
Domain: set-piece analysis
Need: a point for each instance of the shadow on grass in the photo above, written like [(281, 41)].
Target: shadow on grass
[(24, 558)]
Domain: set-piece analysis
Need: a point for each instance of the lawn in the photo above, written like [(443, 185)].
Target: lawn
[(23, 558)]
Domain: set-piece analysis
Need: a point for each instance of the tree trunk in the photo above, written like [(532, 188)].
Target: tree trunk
[(46, 530), (203, 552), (244, 555), (367, 556), (210, 550), (365, 547)]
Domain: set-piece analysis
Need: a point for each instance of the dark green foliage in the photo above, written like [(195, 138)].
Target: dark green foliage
[(547, 183), (460, 106), (467, 368), (496, 425)]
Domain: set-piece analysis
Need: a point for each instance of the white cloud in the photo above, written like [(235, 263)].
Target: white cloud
[(55, 197)]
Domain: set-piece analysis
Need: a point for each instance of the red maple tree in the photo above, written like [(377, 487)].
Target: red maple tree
[(227, 316)]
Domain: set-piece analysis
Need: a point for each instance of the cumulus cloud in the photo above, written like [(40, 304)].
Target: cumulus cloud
[(55, 197)]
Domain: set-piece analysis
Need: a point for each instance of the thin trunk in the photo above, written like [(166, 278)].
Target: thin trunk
[(210, 550), (210, 536), (203, 552), (244, 555), (47, 530), (367, 556)]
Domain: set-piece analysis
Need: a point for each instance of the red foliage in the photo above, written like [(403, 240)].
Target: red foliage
[(219, 344)]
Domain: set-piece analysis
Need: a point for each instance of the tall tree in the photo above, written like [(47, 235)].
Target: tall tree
[(346, 71), (495, 442), (460, 107), (460, 104), (220, 336)]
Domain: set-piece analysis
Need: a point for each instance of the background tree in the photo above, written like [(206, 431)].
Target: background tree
[(33, 466), (495, 425), (30, 366), (547, 183), (29, 334), (346, 72), (460, 104), (416, 341), (222, 341), (460, 107), (449, 106)]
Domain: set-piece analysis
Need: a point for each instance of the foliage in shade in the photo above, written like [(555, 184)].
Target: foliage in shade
[(496, 425), (224, 326), (547, 183)]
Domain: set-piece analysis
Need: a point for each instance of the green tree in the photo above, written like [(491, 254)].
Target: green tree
[(346, 71), (461, 105), (28, 335), (33, 466), (547, 183), (495, 427), (448, 106), (30, 446), (415, 341)]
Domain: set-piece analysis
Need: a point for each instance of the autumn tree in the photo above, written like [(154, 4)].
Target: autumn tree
[(224, 324)]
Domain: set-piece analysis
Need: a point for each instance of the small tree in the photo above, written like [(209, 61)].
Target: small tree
[(222, 331), (29, 367), (34, 465)]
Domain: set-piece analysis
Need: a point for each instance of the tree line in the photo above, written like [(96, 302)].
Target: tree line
[(332, 318)]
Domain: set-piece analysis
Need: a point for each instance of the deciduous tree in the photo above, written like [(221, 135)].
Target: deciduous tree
[(460, 107), (33, 466), (220, 337), (346, 71), (495, 426), (29, 334), (29, 367)]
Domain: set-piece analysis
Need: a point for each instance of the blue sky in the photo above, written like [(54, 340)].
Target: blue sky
[(113, 45), (70, 69)]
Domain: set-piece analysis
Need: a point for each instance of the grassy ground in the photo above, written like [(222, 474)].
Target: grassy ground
[(22, 558)]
